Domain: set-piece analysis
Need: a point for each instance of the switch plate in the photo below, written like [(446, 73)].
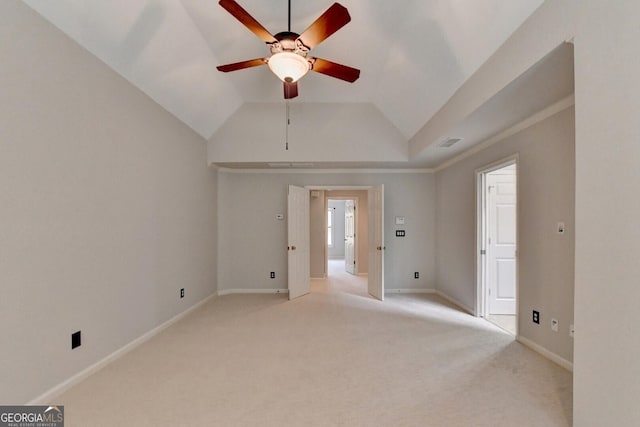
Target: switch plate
[(561, 228), (554, 325), (536, 317), (76, 340)]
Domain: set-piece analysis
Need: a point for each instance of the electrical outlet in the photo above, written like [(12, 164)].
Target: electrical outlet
[(554, 325), (536, 317), (181, 292), (571, 330), (416, 275), (76, 340), (273, 275)]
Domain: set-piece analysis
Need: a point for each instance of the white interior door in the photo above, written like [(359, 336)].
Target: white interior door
[(349, 236), (298, 241), (376, 242), (501, 244)]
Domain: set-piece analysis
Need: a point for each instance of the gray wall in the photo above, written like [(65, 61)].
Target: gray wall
[(253, 242), (546, 186), (108, 208), (317, 243), (337, 250)]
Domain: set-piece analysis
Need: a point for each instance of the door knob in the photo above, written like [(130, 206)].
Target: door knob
[(379, 248), (293, 248)]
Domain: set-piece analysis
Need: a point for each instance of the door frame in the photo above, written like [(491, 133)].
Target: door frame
[(481, 234), (356, 246)]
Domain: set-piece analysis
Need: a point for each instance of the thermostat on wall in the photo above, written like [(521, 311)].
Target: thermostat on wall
[(399, 220)]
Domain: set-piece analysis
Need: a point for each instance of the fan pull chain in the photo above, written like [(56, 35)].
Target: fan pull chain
[(287, 123)]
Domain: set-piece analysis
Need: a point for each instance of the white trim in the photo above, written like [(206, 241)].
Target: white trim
[(57, 390), (455, 302), (561, 105), (319, 278), (338, 188), (252, 291), (322, 171), (546, 353), (409, 291), (363, 274)]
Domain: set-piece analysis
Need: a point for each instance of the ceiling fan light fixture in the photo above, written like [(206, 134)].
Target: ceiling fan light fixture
[(288, 66)]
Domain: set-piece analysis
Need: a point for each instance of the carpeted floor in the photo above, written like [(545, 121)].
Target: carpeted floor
[(505, 321), (335, 357)]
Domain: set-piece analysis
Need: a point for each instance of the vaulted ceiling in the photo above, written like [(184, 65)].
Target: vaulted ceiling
[(413, 54)]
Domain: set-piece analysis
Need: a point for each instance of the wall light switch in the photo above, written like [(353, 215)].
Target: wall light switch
[(561, 228), (554, 325)]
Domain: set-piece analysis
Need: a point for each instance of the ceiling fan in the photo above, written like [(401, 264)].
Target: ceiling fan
[(289, 58)]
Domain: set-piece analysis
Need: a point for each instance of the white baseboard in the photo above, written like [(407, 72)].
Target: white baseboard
[(52, 393), (363, 274), (546, 353), (252, 291), (456, 302), (409, 291)]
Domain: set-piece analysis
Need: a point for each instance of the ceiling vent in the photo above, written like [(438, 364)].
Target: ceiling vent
[(449, 142)]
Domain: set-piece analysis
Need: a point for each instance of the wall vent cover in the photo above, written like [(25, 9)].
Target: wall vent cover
[(449, 142)]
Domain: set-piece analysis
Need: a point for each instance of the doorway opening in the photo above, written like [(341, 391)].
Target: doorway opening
[(497, 218), (341, 247), (307, 234)]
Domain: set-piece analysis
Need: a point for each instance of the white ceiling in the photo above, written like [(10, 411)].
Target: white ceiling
[(413, 54)]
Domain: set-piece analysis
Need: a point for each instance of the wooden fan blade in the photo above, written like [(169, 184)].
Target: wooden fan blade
[(290, 90), (333, 69), (334, 18), (241, 65), (247, 20)]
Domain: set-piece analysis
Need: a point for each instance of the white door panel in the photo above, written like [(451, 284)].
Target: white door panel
[(298, 241), (376, 242), (501, 249), (349, 236)]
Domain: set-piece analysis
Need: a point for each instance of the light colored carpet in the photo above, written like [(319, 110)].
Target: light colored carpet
[(505, 321), (335, 357)]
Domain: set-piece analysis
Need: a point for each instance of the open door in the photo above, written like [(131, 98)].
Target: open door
[(501, 240), (298, 241), (350, 236), (376, 242)]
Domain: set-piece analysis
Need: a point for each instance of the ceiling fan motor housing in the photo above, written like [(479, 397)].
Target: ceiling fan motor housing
[(288, 42)]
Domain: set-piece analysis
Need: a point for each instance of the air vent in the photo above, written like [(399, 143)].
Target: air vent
[(449, 142)]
